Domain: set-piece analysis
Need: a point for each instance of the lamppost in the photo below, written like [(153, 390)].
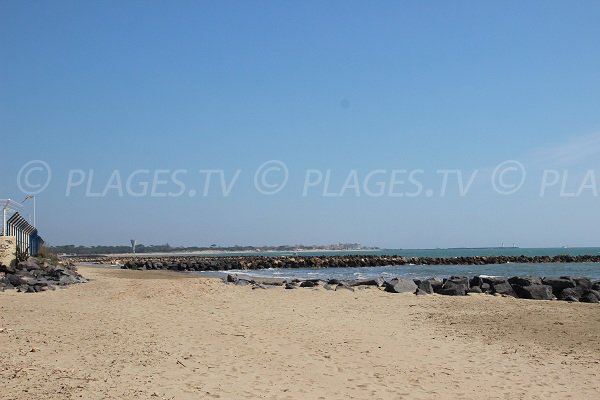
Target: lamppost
[(27, 198)]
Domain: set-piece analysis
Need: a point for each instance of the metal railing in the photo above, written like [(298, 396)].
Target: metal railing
[(26, 235)]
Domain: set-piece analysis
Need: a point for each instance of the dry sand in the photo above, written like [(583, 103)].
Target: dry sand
[(162, 335)]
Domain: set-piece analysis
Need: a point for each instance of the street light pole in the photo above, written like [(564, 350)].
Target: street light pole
[(33, 198)]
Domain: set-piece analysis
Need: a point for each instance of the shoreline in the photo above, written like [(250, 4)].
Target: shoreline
[(159, 334)]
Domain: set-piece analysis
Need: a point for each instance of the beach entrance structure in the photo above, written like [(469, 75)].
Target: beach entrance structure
[(8, 206), (26, 235)]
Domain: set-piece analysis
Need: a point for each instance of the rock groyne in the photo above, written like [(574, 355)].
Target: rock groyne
[(224, 263)]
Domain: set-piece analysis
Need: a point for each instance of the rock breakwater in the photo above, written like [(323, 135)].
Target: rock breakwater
[(533, 288), (34, 276), (198, 263)]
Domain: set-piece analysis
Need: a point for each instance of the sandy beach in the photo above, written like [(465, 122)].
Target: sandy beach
[(164, 335)]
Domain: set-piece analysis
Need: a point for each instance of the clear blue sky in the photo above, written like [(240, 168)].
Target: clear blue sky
[(339, 85)]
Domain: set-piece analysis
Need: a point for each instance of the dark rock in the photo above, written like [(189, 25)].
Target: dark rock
[(583, 282), (573, 292), (458, 290), (589, 297), (424, 286), (503, 288), (524, 280), (493, 280), (461, 280), (436, 284), (369, 282), (28, 265), (534, 292), (475, 289), (595, 293), (486, 288), (420, 292), (15, 280), (290, 285), (559, 284), (475, 281), (452, 288), (309, 283), (7, 269), (399, 285)]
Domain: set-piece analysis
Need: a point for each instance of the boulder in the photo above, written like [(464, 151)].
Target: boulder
[(524, 280), (400, 285), (369, 282), (461, 280), (590, 297), (436, 284), (451, 288), (534, 292), (15, 280), (309, 283), (475, 281), (583, 282), (424, 286), (7, 269), (559, 284), (570, 292), (492, 280), (595, 293), (503, 288)]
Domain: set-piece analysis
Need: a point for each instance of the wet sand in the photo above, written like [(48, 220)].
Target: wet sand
[(164, 335)]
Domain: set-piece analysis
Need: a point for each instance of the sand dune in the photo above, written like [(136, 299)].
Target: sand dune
[(162, 335)]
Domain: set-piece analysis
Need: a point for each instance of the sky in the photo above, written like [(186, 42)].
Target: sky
[(398, 124)]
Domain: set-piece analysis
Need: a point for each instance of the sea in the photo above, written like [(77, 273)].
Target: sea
[(589, 270)]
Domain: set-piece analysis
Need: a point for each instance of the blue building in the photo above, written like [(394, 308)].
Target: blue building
[(26, 234)]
